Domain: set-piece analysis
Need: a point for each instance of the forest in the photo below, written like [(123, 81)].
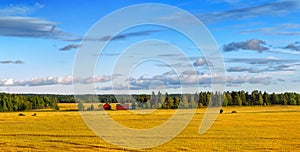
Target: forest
[(26, 102), (202, 99)]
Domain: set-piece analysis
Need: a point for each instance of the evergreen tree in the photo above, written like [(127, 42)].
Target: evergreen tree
[(4, 104), (160, 99), (298, 99), (229, 98), (80, 106), (196, 97), (184, 102), (260, 99), (153, 101), (266, 98), (254, 97), (92, 107), (201, 99), (191, 101), (274, 98), (169, 102), (237, 100), (225, 103), (243, 98), (176, 102), (285, 98), (208, 99), (292, 98)]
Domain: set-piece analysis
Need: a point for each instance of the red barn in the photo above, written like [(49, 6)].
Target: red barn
[(122, 106), (116, 106), (106, 106)]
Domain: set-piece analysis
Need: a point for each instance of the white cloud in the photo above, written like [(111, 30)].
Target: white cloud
[(143, 83), (8, 82), (200, 62), (67, 80), (19, 9), (189, 79), (171, 72)]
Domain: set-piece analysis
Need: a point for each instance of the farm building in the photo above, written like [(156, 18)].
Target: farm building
[(106, 106), (123, 106), (116, 106)]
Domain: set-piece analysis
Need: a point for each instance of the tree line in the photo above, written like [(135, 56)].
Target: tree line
[(19, 102), (233, 98), (202, 99), (24, 102)]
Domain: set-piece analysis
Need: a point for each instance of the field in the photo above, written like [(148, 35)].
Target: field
[(274, 128)]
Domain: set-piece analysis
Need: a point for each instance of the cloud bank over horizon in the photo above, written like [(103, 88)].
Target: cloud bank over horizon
[(257, 39)]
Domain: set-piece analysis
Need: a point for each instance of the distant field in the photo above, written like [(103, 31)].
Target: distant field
[(67, 106), (73, 106), (275, 128)]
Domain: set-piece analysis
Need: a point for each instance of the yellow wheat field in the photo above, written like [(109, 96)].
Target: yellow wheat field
[(274, 128)]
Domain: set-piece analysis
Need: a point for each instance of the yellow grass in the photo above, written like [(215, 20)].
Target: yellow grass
[(275, 128), (73, 106), (67, 106)]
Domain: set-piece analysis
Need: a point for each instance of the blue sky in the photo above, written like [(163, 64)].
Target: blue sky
[(259, 42)]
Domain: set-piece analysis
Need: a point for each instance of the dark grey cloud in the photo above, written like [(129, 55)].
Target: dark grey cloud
[(170, 55), (18, 62), (295, 80), (261, 65), (266, 80), (272, 31), (261, 61), (14, 22), (250, 10), (115, 87), (252, 44), (119, 87), (286, 29), (171, 72), (11, 62), (112, 38), (128, 35), (278, 8), (70, 47), (110, 54), (276, 68), (173, 65), (243, 69), (107, 54), (293, 46), (282, 67), (31, 28), (190, 72)]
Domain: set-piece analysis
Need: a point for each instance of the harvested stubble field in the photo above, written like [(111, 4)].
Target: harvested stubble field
[(272, 128)]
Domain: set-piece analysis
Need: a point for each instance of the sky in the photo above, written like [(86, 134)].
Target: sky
[(41, 41)]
